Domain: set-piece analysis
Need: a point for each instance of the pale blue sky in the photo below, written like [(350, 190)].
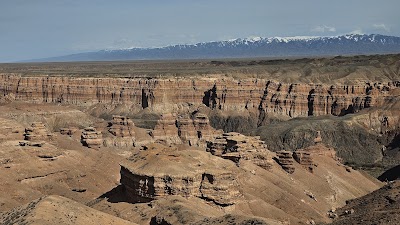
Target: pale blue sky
[(44, 28)]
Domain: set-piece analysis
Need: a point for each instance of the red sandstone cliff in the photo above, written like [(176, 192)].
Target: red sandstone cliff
[(292, 100)]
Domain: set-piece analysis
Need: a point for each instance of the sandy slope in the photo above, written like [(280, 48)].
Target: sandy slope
[(54, 209)]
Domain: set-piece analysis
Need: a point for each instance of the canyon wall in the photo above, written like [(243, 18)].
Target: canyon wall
[(227, 94)]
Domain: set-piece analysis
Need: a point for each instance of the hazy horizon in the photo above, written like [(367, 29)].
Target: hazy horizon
[(44, 28)]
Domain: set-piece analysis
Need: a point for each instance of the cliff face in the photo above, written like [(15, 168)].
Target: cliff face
[(227, 94), (187, 173)]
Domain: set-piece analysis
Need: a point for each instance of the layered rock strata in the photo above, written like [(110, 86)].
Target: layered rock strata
[(228, 94), (166, 129), (122, 129), (91, 138), (186, 130), (193, 129), (322, 150), (68, 131), (236, 147), (122, 126), (37, 132), (317, 149), (285, 159), (188, 173), (304, 158)]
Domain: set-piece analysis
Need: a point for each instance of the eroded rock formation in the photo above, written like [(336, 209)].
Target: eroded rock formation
[(236, 147), (187, 173), (122, 129), (166, 129), (228, 94), (193, 129), (304, 158), (91, 138), (37, 132), (122, 126), (68, 130), (186, 130), (318, 138), (285, 159)]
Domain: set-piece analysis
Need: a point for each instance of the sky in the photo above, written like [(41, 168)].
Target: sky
[(32, 29)]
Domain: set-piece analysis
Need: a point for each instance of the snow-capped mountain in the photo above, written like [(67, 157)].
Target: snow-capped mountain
[(350, 44)]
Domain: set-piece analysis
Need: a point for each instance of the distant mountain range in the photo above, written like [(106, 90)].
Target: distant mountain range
[(350, 44)]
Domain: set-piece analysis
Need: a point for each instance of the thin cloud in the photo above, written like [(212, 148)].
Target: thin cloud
[(357, 31), (381, 26), (323, 29)]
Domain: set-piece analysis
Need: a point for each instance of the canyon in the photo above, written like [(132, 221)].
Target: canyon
[(247, 141), (227, 101)]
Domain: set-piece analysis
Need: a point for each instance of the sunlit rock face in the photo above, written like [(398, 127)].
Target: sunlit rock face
[(193, 173), (227, 94)]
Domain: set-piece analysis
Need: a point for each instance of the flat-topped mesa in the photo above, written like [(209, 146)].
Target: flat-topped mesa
[(166, 129), (303, 157), (37, 132), (188, 173), (91, 138), (285, 160), (235, 147)]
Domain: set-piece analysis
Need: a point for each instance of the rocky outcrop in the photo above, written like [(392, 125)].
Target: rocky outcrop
[(321, 149), (188, 173), (304, 158), (32, 143), (318, 138), (217, 146), (236, 147), (286, 161), (37, 132), (192, 129), (227, 94), (121, 126), (166, 129), (91, 138), (68, 131), (186, 130), (196, 129), (123, 133), (202, 126), (304, 155)]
